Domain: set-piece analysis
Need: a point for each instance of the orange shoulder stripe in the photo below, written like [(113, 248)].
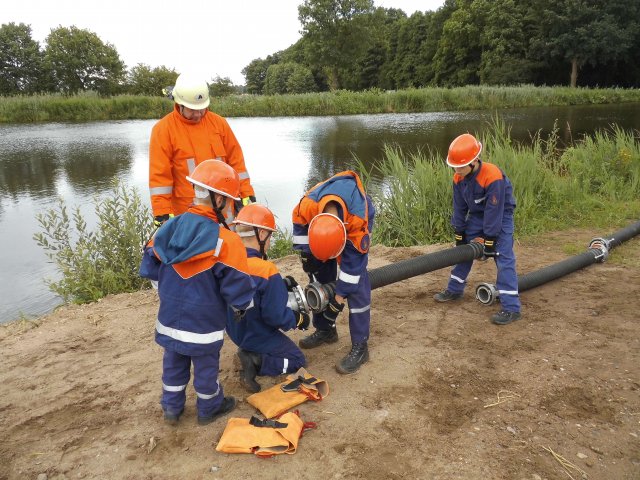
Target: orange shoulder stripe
[(261, 268), (488, 174)]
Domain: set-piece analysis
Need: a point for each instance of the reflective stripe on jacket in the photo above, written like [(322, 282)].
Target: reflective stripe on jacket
[(201, 271), (177, 145)]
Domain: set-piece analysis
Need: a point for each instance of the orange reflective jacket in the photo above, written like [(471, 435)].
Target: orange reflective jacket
[(177, 145)]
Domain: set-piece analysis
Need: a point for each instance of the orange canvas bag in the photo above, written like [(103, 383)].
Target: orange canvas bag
[(296, 389), (264, 438)]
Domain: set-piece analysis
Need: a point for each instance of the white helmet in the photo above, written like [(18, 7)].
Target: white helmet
[(191, 91)]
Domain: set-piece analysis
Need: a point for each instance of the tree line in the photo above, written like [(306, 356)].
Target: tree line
[(351, 44), (354, 45)]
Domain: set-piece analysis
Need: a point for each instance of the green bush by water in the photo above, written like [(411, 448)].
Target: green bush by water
[(95, 263), (90, 107)]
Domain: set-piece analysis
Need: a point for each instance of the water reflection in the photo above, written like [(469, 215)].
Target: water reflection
[(31, 172), (91, 168)]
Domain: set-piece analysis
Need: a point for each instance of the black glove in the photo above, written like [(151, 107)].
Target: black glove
[(303, 321), (459, 237), (310, 264), (333, 310), (238, 315), (290, 282), (158, 220), (489, 247)]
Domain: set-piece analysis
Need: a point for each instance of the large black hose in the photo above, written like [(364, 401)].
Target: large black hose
[(318, 295), (598, 251), (395, 272)]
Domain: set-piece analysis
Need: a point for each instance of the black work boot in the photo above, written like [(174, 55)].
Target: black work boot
[(358, 355), (228, 404), (319, 337), (504, 318), (446, 296), (172, 418), (251, 363)]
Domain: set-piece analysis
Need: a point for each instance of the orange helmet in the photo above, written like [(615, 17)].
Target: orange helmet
[(463, 150), (327, 236), (216, 176), (256, 215)]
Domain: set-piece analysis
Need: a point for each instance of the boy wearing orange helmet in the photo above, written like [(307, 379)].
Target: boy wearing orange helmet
[(263, 348), (202, 274), (483, 206), (332, 226)]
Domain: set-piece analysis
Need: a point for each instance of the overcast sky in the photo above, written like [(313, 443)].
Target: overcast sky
[(208, 37)]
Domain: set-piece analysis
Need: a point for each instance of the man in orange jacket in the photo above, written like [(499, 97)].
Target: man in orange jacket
[(183, 139)]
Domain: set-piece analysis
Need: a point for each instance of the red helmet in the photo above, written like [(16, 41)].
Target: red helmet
[(327, 236), (217, 176), (463, 150), (256, 215)]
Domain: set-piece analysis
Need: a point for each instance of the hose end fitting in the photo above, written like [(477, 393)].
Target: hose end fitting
[(486, 293), (602, 247), (297, 300), (318, 296)]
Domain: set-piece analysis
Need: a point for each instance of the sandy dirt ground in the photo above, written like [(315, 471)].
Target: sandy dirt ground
[(446, 394)]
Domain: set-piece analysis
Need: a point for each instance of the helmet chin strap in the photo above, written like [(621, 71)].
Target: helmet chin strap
[(262, 243), (218, 210)]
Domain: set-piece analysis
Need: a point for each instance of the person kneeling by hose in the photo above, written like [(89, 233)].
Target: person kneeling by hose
[(263, 348), (332, 225)]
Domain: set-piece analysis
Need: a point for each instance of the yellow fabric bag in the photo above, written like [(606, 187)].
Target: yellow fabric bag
[(296, 389), (274, 437)]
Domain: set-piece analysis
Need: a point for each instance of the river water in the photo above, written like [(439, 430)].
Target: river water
[(42, 163)]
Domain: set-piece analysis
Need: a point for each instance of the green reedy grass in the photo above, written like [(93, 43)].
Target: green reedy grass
[(90, 107), (594, 183)]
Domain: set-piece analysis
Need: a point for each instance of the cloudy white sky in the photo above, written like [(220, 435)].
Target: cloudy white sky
[(208, 37)]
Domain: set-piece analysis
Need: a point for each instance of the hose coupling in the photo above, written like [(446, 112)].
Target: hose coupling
[(602, 246), (486, 293), (297, 300), (318, 295)]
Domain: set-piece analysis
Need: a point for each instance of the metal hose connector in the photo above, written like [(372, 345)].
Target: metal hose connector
[(602, 247), (318, 295), (486, 293)]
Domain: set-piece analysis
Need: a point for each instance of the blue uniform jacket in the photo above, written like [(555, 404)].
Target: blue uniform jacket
[(481, 200), (201, 271), (354, 259), (269, 313)]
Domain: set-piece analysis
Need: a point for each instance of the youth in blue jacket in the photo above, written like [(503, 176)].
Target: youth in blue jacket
[(203, 278), (260, 330), (483, 209)]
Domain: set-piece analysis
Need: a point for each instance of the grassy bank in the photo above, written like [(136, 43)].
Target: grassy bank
[(594, 183), (90, 107)]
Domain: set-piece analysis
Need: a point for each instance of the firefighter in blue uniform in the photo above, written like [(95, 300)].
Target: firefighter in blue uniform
[(263, 348), (332, 225), (483, 207), (202, 274)]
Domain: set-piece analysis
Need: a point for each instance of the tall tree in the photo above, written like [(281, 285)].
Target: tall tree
[(144, 80), (80, 61), (337, 32), (21, 65), (587, 31), (255, 73)]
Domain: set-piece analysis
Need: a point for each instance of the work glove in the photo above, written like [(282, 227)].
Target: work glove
[(247, 200), (303, 321), (333, 310), (158, 220), (290, 282), (489, 249), (243, 202), (459, 238), (238, 315), (310, 264)]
